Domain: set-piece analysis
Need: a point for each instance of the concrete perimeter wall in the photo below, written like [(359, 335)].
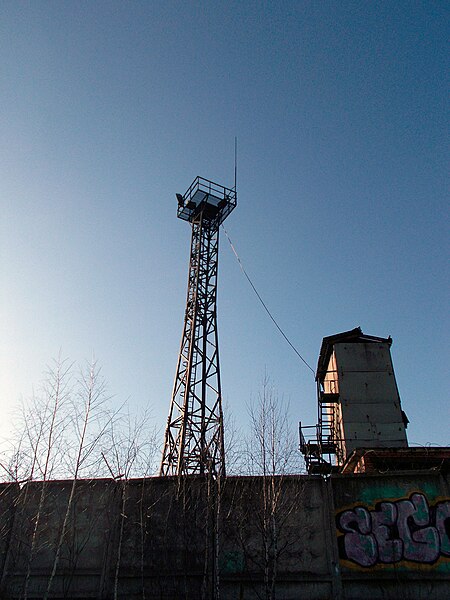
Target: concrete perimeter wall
[(348, 537)]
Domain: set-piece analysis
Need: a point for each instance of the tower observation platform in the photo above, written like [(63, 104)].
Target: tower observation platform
[(211, 200)]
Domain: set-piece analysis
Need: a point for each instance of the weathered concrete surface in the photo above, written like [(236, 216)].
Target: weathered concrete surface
[(349, 537)]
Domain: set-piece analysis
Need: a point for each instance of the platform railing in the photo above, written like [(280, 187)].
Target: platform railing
[(215, 189)]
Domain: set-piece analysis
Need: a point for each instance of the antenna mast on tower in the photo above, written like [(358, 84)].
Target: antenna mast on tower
[(194, 434)]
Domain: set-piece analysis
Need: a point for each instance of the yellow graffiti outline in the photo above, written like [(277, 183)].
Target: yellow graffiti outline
[(410, 564)]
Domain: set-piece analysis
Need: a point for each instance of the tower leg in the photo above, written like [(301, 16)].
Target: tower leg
[(194, 435)]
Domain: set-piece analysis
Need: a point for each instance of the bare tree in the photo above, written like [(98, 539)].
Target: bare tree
[(51, 425), (233, 436), (89, 429), (68, 431), (14, 460), (131, 451), (40, 428), (271, 452), (36, 454), (270, 446)]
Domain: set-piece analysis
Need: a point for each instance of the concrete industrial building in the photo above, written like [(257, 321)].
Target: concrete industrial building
[(358, 401)]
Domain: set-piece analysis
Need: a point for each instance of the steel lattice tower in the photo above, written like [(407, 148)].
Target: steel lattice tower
[(194, 434)]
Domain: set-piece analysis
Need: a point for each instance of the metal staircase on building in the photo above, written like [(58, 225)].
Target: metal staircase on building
[(318, 443)]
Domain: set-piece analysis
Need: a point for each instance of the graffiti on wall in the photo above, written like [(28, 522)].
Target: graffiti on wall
[(407, 529)]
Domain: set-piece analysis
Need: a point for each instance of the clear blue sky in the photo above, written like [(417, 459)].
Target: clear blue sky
[(110, 108)]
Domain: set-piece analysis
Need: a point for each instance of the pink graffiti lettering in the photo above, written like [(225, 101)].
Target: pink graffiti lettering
[(383, 520), (443, 526), (421, 545), (406, 529), (360, 544)]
